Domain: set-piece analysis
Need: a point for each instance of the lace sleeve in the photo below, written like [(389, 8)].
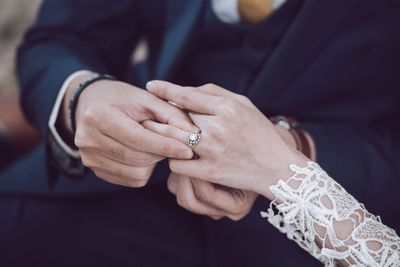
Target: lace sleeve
[(310, 207)]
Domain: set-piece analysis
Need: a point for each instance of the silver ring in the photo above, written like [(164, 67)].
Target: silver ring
[(193, 139)]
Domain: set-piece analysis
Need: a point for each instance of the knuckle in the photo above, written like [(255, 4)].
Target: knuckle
[(236, 217), (144, 161), (241, 206), (146, 95), (142, 174), (139, 160), (170, 186), (242, 211), (209, 86), (231, 106), (203, 193), (83, 139), (217, 218), (149, 172), (87, 161), (98, 173), (173, 167), (184, 98), (137, 183), (119, 173), (181, 200), (219, 130), (80, 139), (90, 115), (228, 107), (189, 205), (166, 149), (129, 174), (243, 99)]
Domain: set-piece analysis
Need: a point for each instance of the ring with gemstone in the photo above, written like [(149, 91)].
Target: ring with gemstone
[(193, 139)]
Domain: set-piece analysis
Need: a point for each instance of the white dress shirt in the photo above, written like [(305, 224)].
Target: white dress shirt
[(227, 10)]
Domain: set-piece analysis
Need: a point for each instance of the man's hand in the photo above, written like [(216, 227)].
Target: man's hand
[(111, 139), (199, 196), (209, 199)]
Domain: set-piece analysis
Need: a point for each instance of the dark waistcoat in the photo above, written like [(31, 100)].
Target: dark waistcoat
[(231, 55)]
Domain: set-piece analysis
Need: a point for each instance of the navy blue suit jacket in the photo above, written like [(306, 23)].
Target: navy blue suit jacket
[(336, 69)]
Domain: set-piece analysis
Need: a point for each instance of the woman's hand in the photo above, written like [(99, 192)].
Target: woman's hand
[(199, 196), (239, 146)]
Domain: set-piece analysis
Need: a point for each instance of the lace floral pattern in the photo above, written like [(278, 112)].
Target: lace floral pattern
[(310, 207)]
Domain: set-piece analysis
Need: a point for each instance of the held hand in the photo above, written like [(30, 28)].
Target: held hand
[(239, 146), (111, 139), (204, 198), (199, 196)]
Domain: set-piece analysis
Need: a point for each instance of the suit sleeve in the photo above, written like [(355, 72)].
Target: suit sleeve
[(71, 35), (365, 159)]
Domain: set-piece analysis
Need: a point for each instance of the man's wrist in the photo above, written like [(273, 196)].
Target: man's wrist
[(73, 101), (56, 124), (66, 125)]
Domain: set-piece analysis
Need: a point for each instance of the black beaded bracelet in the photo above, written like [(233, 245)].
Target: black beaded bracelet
[(73, 102)]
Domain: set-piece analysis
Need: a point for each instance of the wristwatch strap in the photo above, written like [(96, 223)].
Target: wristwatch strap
[(303, 142)]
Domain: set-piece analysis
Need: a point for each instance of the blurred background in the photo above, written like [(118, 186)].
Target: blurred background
[(17, 136), (15, 18)]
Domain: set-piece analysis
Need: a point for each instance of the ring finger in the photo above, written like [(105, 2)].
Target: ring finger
[(171, 132)]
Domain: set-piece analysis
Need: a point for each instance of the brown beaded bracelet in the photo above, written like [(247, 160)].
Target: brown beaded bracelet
[(73, 102)]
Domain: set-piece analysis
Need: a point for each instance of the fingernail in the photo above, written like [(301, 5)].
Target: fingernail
[(152, 85)]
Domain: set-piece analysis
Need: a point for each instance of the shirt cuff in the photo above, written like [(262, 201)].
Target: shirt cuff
[(226, 10), (54, 115)]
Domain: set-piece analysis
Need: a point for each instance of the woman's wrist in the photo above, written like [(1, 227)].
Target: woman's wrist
[(281, 172), (291, 131), (291, 155), (286, 136)]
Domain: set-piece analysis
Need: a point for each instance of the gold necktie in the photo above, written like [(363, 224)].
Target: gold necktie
[(254, 11)]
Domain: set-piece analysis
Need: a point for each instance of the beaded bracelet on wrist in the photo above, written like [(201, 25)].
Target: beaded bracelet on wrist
[(73, 102)]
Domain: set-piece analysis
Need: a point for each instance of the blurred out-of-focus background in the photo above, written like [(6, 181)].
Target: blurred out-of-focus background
[(15, 18)]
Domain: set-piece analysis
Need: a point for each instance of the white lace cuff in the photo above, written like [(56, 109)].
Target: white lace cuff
[(310, 207)]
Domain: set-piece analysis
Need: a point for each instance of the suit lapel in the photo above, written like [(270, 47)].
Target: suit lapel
[(310, 31), (181, 20)]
